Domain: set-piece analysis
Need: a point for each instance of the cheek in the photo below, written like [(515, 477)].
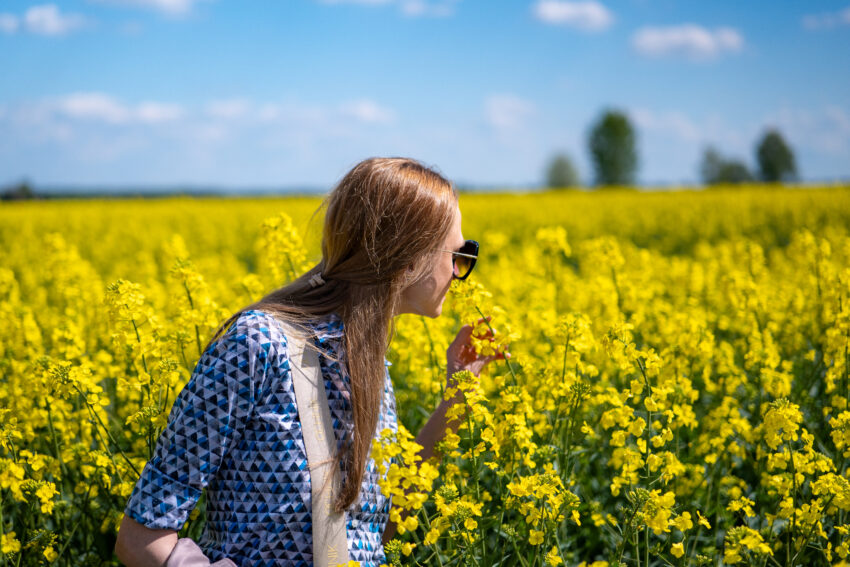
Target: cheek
[(449, 274), (448, 268)]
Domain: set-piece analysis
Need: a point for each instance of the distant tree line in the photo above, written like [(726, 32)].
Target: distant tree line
[(774, 159), (18, 192), (612, 146)]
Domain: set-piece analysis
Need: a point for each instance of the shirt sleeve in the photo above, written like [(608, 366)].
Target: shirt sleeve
[(204, 423)]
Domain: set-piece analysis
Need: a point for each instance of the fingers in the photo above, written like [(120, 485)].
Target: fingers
[(464, 332), (462, 349), (462, 337)]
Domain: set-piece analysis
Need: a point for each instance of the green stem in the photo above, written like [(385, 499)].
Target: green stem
[(569, 444), (809, 533), (109, 435), (73, 531), (435, 361), (423, 515), (794, 500), (560, 400), (292, 267), (474, 466), (192, 306), (2, 525), (507, 361), (518, 554), (636, 543), (56, 450), (627, 536)]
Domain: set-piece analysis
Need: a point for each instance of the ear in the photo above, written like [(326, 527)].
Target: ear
[(407, 278)]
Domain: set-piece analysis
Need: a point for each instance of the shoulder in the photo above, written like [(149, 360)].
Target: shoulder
[(261, 333)]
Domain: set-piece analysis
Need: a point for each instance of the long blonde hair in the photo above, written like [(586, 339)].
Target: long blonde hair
[(385, 216)]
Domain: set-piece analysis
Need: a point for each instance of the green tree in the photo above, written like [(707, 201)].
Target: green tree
[(718, 170), (612, 144), (561, 172), (775, 158)]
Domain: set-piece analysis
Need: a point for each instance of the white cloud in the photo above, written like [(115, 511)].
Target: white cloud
[(368, 112), (9, 23), (690, 40), (268, 112), (210, 133), (242, 111), (156, 112), (507, 111), (827, 20), (366, 2), (46, 19), (105, 108), (228, 109), (100, 133), (826, 129), (412, 8), (34, 121), (419, 8), (94, 106), (168, 7), (586, 15), (83, 109)]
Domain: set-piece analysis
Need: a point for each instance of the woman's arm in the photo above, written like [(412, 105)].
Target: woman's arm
[(436, 427), (434, 430), (459, 356), (199, 433), (139, 546)]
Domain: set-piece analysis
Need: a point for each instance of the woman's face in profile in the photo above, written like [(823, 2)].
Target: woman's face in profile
[(426, 296)]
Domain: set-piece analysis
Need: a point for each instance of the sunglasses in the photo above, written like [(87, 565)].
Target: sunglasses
[(463, 260)]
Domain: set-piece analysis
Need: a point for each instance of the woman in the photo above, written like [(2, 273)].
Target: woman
[(392, 244)]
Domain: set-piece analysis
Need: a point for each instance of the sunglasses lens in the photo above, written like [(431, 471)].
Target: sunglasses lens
[(463, 264)]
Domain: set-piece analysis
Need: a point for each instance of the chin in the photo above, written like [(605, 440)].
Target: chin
[(431, 313), (437, 311)]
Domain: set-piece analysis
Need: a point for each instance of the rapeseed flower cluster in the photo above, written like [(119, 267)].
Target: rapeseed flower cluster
[(677, 390)]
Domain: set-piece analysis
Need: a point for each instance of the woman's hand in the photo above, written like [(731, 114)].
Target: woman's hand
[(462, 356)]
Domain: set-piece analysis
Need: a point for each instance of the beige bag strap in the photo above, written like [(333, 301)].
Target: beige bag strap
[(330, 543)]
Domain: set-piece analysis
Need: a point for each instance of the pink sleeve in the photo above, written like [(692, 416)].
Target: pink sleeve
[(187, 554)]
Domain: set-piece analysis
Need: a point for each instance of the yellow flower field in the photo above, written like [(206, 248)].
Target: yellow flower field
[(677, 391)]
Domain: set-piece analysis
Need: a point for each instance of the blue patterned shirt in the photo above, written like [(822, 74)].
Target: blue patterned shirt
[(234, 430)]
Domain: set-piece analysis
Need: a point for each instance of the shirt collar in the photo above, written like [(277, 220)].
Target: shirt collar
[(328, 327), (331, 327)]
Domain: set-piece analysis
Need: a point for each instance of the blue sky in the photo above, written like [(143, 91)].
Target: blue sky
[(294, 92)]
